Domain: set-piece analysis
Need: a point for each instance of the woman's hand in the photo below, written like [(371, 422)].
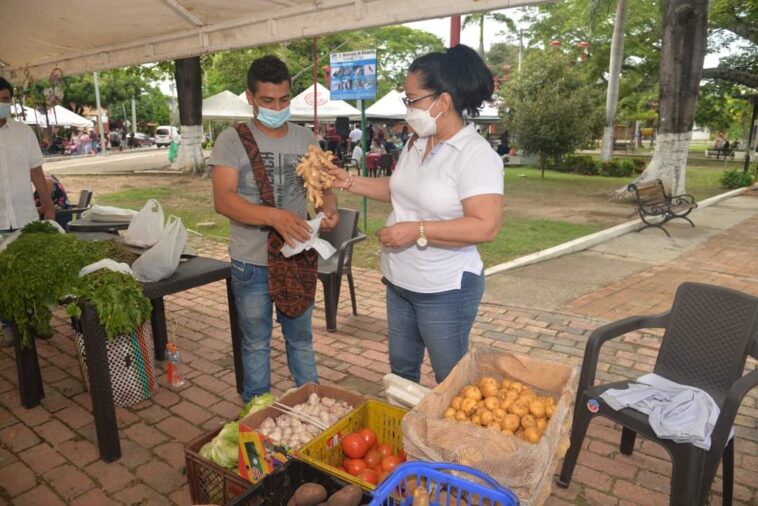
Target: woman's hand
[(340, 176), (398, 235)]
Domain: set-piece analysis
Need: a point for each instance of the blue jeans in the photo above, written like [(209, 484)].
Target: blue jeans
[(255, 307), (439, 322)]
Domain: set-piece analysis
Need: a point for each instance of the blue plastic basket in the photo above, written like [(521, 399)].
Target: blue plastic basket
[(440, 484)]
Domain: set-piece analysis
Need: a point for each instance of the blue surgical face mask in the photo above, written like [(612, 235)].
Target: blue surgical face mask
[(5, 110), (272, 118)]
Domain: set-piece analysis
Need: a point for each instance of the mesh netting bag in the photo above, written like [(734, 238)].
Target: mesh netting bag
[(525, 468)]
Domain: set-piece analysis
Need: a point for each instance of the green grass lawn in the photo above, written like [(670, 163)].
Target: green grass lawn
[(519, 235)]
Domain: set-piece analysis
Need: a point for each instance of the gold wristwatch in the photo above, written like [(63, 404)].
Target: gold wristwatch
[(421, 242)]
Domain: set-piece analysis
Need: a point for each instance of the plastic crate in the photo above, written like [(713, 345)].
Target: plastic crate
[(277, 488), (210, 483), (443, 488), (325, 451)]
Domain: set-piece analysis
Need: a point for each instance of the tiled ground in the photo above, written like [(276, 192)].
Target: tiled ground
[(48, 455)]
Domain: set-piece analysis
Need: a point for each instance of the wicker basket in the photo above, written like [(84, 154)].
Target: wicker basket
[(210, 483)]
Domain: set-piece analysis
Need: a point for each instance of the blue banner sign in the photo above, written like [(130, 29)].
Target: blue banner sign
[(353, 75)]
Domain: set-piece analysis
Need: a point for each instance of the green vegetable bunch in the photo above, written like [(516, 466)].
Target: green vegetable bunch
[(42, 266)]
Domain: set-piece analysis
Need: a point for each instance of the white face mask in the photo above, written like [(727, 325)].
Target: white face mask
[(5, 110), (421, 121)]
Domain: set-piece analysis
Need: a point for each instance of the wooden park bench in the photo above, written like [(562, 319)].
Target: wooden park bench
[(653, 202), (725, 151)]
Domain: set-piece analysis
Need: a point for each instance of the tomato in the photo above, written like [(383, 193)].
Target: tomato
[(346, 462), (369, 436), (373, 459), (354, 446), (385, 450), (356, 466), (383, 475), (390, 463), (369, 475), (401, 455)]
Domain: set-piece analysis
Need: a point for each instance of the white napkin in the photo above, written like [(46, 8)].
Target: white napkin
[(106, 263), (314, 242)]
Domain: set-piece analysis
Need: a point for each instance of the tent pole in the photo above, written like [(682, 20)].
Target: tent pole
[(134, 115), (103, 149), (363, 162), (315, 87)]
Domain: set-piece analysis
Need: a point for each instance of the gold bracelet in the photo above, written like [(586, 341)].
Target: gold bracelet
[(348, 183)]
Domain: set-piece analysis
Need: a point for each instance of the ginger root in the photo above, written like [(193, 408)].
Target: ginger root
[(312, 168)]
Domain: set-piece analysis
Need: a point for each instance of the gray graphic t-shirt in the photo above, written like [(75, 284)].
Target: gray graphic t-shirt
[(281, 156)]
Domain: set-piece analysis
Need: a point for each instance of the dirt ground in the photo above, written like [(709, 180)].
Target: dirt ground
[(586, 208)]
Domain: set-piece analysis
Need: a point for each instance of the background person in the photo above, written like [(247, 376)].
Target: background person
[(446, 195), (20, 167), (236, 196)]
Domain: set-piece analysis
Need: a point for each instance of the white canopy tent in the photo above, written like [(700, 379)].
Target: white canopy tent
[(58, 116), (390, 106), (302, 106), (226, 106), (113, 33)]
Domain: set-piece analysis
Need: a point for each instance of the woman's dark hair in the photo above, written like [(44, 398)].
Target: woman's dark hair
[(460, 72), (5, 85), (268, 69)]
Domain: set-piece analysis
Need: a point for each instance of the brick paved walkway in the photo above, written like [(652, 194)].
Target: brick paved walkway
[(48, 455)]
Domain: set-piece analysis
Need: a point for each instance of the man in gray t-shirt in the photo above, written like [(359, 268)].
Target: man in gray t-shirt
[(236, 196)]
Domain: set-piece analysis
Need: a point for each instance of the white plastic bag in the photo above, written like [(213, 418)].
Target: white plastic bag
[(106, 263), (314, 242), (161, 261), (147, 226), (108, 213)]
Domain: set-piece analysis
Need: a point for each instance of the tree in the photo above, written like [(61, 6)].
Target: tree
[(552, 111), (479, 18), (151, 108), (614, 72), (190, 97), (683, 47)]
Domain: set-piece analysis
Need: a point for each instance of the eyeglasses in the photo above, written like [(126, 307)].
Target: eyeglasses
[(410, 101)]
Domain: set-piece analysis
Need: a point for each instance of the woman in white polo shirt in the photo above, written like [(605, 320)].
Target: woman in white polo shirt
[(446, 194)]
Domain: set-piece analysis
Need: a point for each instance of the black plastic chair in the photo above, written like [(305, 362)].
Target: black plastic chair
[(385, 165), (710, 331), (331, 270), (65, 216)]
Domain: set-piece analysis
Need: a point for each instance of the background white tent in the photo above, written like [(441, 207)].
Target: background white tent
[(328, 110), (390, 106), (58, 116), (226, 106)]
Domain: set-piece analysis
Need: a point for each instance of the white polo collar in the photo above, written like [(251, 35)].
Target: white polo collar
[(457, 141)]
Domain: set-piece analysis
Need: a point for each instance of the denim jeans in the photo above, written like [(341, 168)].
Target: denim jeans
[(439, 322), (255, 307)]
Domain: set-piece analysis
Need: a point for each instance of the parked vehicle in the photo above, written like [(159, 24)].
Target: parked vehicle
[(165, 134), (142, 140)]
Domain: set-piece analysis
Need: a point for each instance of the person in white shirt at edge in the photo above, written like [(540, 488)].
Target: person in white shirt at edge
[(356, 134), (236, 195), (357, 154), (446, 196), (20, 166)]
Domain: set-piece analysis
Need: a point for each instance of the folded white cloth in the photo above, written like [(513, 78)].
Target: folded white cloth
[(682, 413), (108, 213), (314, 242), (106, 263)]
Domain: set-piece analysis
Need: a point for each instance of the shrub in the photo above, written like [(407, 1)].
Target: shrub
[(580, 165), (628, 167), (731, 179), (639, 165)]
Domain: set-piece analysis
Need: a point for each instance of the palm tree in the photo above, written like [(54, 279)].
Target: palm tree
[(479, 18)]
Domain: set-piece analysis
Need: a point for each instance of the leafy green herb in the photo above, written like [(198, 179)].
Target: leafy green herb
[(40, 268)]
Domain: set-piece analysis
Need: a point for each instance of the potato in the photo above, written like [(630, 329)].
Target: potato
[(517, 386), (528, 421), (480, 410), (541, 424), (498, 414), (494, 425), (480, 404), (486, 417), (504, 405), (460, 416), (527, 395), (456, 403), (511, 395), (537, 408), (449, 413), (506, 384), (519, 408), (510, 422), (532, 434), (488, 386), (550, 411), (472, 392), (310, 494), (468, 406), (347, 496), (491, 403), (476, 420)]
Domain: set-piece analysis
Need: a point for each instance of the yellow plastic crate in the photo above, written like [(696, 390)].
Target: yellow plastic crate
[(325, 451)]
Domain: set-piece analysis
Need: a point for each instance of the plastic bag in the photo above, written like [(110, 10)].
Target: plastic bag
[(108, 213), (172, 151), (147, 227), (323, 247), (161, 261), (106, 263)]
